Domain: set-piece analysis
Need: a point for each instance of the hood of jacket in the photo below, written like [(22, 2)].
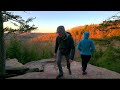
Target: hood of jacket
[(86, 35)]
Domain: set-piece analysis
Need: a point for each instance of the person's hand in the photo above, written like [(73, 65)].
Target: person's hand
[(70, 60), (55, 55)]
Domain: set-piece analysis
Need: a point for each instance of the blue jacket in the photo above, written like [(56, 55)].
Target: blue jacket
[(86, 46)]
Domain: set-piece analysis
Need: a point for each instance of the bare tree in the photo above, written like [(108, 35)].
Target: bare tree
[(23, 27), (110, 23), (2, 54)]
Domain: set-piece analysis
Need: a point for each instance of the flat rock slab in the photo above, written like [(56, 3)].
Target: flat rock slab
[(51, 71), (13, 63)]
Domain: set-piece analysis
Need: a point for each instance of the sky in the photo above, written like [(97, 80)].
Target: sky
[(48, 21)]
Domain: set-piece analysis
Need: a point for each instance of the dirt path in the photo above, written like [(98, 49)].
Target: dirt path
[(51, 71)]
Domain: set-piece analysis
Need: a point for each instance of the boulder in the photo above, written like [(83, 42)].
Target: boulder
[(12, 63)]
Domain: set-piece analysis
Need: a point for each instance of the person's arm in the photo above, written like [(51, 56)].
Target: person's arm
[(92, 46), (72, 53), (79, 46)]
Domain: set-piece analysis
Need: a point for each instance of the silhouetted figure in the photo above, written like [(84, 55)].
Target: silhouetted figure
[(64, 47), (86, 48)]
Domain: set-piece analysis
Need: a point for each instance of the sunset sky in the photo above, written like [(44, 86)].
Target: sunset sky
[(47, 21)]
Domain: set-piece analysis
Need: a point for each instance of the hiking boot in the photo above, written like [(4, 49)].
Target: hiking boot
[(84, 73), (59, 76)]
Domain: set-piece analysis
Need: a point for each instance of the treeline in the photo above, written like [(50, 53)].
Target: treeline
[(77, 33)]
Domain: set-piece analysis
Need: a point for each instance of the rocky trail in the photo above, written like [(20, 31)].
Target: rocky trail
[(48, 70)]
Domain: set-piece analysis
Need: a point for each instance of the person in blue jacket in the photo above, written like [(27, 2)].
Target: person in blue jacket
[(86, 48)]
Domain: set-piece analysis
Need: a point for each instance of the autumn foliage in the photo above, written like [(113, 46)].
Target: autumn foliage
[(77, 33), (46, 37)]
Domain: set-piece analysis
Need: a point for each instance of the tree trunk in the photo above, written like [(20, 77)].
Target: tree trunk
[(2, 51)]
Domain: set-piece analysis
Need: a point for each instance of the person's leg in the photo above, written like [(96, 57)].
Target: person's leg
[(58, 59), (68, 64), (85, 61), (87, 58)]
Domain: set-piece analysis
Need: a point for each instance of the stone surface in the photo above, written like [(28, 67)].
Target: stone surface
[(51, 71)]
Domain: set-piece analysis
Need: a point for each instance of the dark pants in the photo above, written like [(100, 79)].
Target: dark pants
[(59, 59), (85, 60)]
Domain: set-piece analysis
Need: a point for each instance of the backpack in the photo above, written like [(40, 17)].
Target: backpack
[(69, 33)]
